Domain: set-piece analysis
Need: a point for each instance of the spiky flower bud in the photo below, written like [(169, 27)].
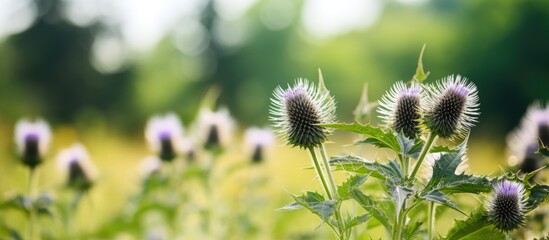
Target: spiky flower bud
[(400, 109), (506, 207), (297, 111), (81, 172), (257, 140), (32, 140), (522, 143), (164, 134), (216, 128), (452, 107)]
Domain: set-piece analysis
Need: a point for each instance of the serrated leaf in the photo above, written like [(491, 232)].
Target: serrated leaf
[(368, 204), (445, 180), (362, 166), (411, 230), (400, 194), (346, 189), (440, 198), (315, 203), (408, 146), (374, 135), (352, 222), (538, 195), (474, 227)]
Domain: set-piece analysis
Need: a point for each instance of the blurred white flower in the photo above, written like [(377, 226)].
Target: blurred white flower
[(164, 134), (215, 128), (257, 140), (32, 139), (76, 163)]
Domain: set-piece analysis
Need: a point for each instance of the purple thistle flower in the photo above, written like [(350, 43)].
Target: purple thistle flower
[(400, 109), (32, 139), (297, 111), (164, 134), (452, 107), (81, 172), (257, 141), (506, 207)]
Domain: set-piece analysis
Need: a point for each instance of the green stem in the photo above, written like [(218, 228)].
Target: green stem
[(424, 152), (341, 224), (431, 220), (32, 215), (399, 221), (320, 174)]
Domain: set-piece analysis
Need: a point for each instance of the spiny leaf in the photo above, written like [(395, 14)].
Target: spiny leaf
[(368, 204), (543, 150), (474, 227), (374, 135), (352, 222), (353, 183), (408, 146), (538, 195), (315, 203), (440, 198), (410, 230), (359, 165), (445, 180)]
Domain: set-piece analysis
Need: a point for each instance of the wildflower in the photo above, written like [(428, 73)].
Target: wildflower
[(32, 139), (164, 134), (452, 107), (400, 109), (81, 172), (297, 111), (216, 128), (257, 140), (506, 208), (522, 143)]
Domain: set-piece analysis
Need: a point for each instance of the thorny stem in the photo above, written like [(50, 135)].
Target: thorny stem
[(431, 220), (334, 190), (424, 152)]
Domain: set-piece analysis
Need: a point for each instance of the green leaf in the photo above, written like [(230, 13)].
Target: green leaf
[(420, 74), (374, 135), (538, 195), (410, 230), (315, 203), (441, 149), (352, 222), (475, 227), (362, 166), (409, 146), (400, 194), (368, 204), (353, 183), (440, 198), (543, 150), (445, 180)]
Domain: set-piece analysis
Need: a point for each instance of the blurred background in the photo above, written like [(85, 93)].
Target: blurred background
[(97, 69)]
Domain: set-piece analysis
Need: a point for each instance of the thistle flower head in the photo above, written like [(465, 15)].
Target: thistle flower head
[(164, 134), (32, 139), (75, 161), (522, 143), (506, 207), (400, 109), (257, 140), (296, 112), (452, 107), (216, 128)]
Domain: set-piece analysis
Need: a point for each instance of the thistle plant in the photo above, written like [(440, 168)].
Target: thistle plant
[(414, 115)]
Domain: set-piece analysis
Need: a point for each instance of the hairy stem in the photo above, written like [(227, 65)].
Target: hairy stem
[(335, 195), (424, 152)]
